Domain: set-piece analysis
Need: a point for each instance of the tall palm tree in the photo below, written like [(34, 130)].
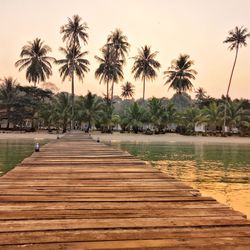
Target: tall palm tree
[(109, 70), (35, 59), (179, 74), (73, 63), (119, 44), (74, 31), (236, 39), (128, 90), (8, 94), (145, 66)]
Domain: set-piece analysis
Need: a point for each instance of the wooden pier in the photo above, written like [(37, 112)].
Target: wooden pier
[(79, 194)]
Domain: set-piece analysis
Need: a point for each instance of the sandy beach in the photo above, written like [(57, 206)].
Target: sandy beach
[(28, 136), (130, 137), (171, 138)]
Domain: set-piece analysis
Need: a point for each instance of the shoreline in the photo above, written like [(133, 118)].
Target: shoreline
[(130, 137), (28, 136), (168, 138)]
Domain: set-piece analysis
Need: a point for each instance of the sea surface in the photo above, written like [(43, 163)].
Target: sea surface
[(13, 152), (221, 171)]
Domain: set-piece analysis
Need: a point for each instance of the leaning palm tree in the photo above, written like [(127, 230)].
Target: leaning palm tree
[(120, 46), (74, 31), (179, 74), (145, 65), (109, 70), (73, 63), (8, 96), (34, 58), (236, 39), (128, 90)]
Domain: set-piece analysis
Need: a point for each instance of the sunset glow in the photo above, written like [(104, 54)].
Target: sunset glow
[(196, 28)]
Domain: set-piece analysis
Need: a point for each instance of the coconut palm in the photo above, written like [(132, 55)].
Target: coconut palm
[(156, 111), (236, 39), (73, 63), (128, 90), (8, 94), (34, 58), (134, 116), (90, 108), (119, 44), (189, 118), (110, 69), (180, 74), (145, 66), (200, 94), (62, 108), (212, 115), (74, 31), (236, 114)]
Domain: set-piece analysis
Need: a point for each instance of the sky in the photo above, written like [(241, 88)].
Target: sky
[(194, 27)]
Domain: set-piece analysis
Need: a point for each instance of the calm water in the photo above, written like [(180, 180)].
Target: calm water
[(14, 151), (221, 171)]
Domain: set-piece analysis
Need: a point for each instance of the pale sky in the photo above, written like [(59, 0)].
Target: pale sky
[(194, 27)]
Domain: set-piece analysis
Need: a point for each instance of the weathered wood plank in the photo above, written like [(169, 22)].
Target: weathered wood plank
[(79, 194)]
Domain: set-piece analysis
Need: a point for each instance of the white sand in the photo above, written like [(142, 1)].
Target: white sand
[(171, 138), (130, 137), (30, 136)]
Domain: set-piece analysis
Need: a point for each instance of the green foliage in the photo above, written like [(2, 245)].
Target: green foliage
[(180, 74), (145, 66), (89, 109), (34, 58)]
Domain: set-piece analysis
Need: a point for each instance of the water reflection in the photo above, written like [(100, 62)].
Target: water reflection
[(221, 171), (14, 151)]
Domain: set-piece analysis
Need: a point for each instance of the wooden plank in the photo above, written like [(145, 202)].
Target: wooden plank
[(79, 194)]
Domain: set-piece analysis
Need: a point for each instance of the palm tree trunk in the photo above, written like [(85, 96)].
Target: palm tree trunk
[(72, 100), (107, 92), (227, 97), (112, 92), (144, 81)]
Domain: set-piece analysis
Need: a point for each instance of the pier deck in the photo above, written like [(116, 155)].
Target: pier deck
[(79, 194)]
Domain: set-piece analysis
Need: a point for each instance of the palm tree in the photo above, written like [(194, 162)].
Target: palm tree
[(8, 94), (90, 107), (212, 115), (189, 118), (128, 90), (74, 63), (156, 111), (200, 94), (74, 31), (109, 70), (134, 116), (35, 59), (61, 112), (236, 114), (119, 44), (236, 39), (145, 65), (179, 74)]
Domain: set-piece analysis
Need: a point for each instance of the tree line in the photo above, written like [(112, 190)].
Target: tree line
[(35, 59), (47, 110)]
